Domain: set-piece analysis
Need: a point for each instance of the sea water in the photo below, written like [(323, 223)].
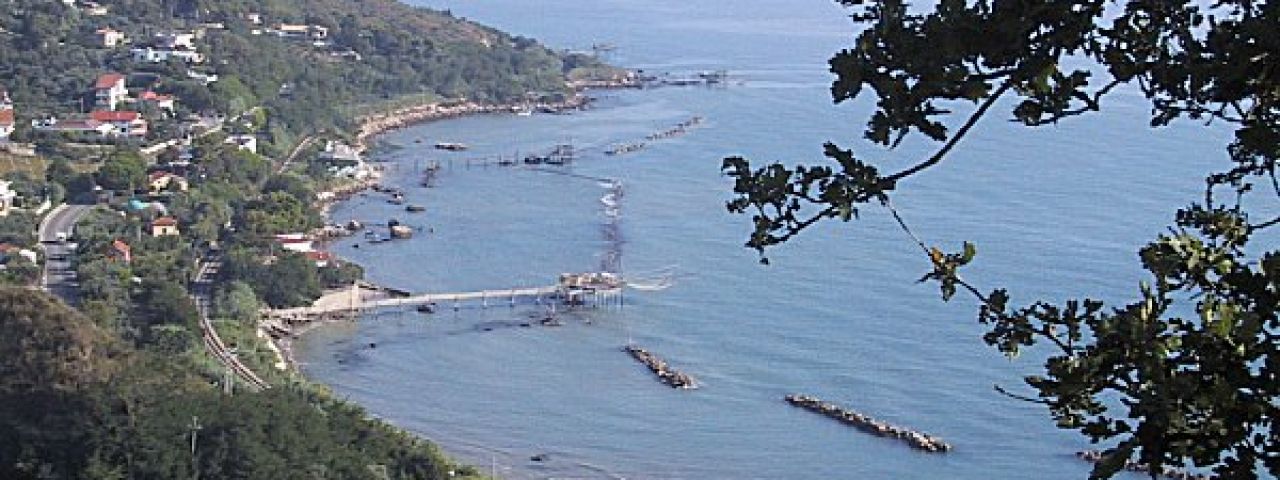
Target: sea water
[(1056, 212)]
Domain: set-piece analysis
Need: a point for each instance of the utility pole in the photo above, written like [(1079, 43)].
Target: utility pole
[(195, 462), (227, 381)]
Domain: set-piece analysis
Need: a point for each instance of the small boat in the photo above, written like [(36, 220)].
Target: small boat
[(524, 112), (415, 208), (451, 146)]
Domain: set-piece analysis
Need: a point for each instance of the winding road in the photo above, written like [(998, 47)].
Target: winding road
[(59, 276)]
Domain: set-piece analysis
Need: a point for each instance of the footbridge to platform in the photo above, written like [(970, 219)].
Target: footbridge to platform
[(366, 297)]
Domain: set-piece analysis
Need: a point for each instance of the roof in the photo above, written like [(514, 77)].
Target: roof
[(6, 117), (77, 124), (108, 80), (102, 31), (120, 246), (110, 116), (316, 255), (165, 222), (153, 96)]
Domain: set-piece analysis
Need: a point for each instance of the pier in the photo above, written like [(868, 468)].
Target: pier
[(917, 440), (585, 289)]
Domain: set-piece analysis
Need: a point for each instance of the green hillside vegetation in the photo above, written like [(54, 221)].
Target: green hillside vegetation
[(79, 404), (374, 50)]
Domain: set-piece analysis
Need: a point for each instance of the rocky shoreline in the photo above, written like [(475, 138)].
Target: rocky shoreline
[(376, 124)]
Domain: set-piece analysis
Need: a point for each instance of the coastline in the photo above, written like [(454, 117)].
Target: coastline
[(282, 340), (375, 124), (370, 126)]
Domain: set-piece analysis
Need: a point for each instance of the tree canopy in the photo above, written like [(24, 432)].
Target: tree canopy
[(78, 403), (1150, 382)]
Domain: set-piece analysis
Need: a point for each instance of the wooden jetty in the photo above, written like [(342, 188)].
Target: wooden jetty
[(918, 440), (659, 367), (581, 289)]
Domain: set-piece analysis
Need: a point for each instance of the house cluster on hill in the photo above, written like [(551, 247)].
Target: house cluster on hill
[(115, 113), (167, 46)]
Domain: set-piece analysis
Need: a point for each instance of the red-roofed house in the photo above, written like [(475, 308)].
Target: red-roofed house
[(6, 116), (163, 102), (78, 125), (164, 227), (124, 123), (321, 258), (160, 182), (120, 251), (109, 90)]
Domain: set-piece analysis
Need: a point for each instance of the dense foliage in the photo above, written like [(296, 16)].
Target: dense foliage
[(78, 404), (1187, 373), (374, 50)]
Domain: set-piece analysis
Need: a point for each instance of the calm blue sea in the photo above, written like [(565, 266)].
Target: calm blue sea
[(1056, 212)]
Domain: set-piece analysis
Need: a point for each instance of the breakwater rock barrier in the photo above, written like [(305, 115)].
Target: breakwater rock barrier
[(917, 440), (659, 367)]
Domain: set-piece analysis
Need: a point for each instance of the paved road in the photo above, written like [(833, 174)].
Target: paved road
[(59, 278)]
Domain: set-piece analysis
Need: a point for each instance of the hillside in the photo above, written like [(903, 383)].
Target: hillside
[(308, 61), (78, 403)]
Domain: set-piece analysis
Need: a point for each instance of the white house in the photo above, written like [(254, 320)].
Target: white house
[(247, 143), (110, 90), (95, 9), (108, 37), (74, 125), (206, 78), (153, 55), (6, 198), (315, 32), (295, 242), (175, 41), (125, 124)]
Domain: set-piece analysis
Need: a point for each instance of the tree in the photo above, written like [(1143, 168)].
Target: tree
[(291, 281), (123, 171), (1154, 385), (237, 302)]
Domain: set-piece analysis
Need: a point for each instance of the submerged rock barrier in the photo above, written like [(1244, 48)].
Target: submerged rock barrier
[(665, 373), (1095, 456), (917, 440)]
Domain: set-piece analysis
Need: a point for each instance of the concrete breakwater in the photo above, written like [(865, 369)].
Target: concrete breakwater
[(917, 440), (659, 367), (1133, 466)]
